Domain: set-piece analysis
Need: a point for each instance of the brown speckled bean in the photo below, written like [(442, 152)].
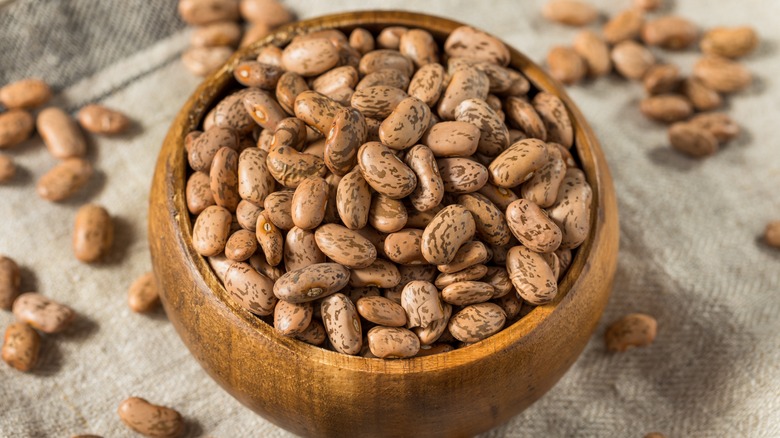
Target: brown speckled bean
[(511, 304), (419, 46), (420, 300), (270, 239), (405, 247), (10, 281), (310, 57), (241, 245), (99, 119), (499, 196), (380, 273), (393, 342), (289, 86), (517, 164), (61, 134), (261, 265), (256, 74), (531, 275), (25, 94), (382, 311), (452, 139), (555, 117), (42, 313), (719, 125), (377, 102), (204, 147), (361, 40), (198, 193), (261, 107), (488, 218), (250, 289), (385, 172), (314, 333), (290, 167), (311, 282), (476, 322), (386, 214), (466, 83), (409, 273), (224, 178), (469, 254), (316, 110), (333, 80), (301, 250), (531, 226), (498, 277), (151, 420), (93, 233), (447, 231), (633, 330), (494, 136), (525, 117), (211, 230), (406, 124), (461, 175), (430, 188), (474, 272), (464, 293), (231, 112), (571, 212), (16, 126), (435, 329), (223, 33), (342, 324), (428, 83), (143, 296), (542, 188), (292, 319), (466, 41), (383, 59), (309, 202), (21, 345), (389, 77), (255, 181), (278, 207), (345, 246), (348, 132), (353, 200)]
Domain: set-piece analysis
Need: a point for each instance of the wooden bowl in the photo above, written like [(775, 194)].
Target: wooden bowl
[(315, 392)]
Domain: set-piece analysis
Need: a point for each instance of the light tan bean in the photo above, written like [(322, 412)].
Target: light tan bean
[(93, 233), (566, 65), (430, 188), (261, 108), (729, 42), (361, 40), (99, 119), (348, 132), (25, 94), (420, 300), (388, 77), (270, 239), (631, 59), (517, 164), (531, 226), (201, 61), (406, 124), (21, 346), (42, 313), (555, 117), (702, 97), (532, 277), (224, 33), (16, 126), (211, 230), (571, 212), (498, 277), (292, 319), (670, 32), (380, 273), (342, 324), (382, 311), (382, 59), (310, 57), (667, 108), (353, 200), (393, 342), (143, 296), (278, 207), (220, 265), (390, 37), (633, 330), (405, 247), (594, 50), (309, 202), (625, 25), (466, 41), (256, 74), (720, 125), (61, 134), (386, 214), (385, 172), (452, 139), (661, 79), (542, 188), (499, 196), (722, 74), (10, 281), (464, 293), (692, 140), (255, 181), (224, 178), (271, 13), (419, 46), (523, 114), (474, 272), (311, 282), (203, 148), (149, 419), (345, 246), (434, 331), (570, 12), (241, 245), (250, 289), (378, 101), (476, 322), (466, 83), (469, 254), (447, 231)]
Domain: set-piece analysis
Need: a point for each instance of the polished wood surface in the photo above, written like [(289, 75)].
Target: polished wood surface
[(315, 392)]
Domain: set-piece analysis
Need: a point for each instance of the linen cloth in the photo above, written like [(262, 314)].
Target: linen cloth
[(690, 253)]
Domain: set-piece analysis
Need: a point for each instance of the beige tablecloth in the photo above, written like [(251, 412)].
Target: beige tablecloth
[(690, 255)]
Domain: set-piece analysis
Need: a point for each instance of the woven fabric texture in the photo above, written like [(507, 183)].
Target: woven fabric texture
[(690, 250)]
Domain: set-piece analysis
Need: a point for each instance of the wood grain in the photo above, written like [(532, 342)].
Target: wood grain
[(314, 392)]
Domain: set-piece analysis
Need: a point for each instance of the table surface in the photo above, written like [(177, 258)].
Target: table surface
[(690, 255)]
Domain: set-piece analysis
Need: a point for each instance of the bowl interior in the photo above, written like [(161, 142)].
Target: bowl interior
[(222, 83)]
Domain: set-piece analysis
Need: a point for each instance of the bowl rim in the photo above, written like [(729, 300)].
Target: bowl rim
[(195, 109)]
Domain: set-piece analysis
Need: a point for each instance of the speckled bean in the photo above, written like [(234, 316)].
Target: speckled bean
[(386, 214), (382, 311), (255, 181), (309, 202), (461, 175), (353, 200), (42, 313), (494, 136), (389, 77), (314, 333), (385, 172), (393, 342), (406, 124), (464, 293), (466, 41), (447, 231), (289, 86), (488, 218), (348, 132), (633, 330), (405, 247), (292, 318), (270, 239), (571, 212), (345, 246), (474, 272), (476, 322), (316, 110), (421, 301), (311, 282), (466, 83), (61, 134), (428, 83), (278, 207), (301, 250), (211, 230), (517, 164), (310, 57), (93, 233), (498, 277), (469, 254), (224, 178), (290, 167), (555, 117), (382, 59), (499, 196), (532, 277), (21, 346), (234, 113), (10, 281), (241, 245), (25, 94), (525, 117), (531, 226), (542, 188), (99, 119), (380, 273), (342, 324), (430, 188), (377, 102), (16, 126), (452, 139), (149, 419), (143, 296)]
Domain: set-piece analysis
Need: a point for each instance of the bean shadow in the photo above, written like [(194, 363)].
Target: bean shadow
[(29, 281), (50, 357), (95, 185), (766, 49), (82, 328), (22, 178), (156, 314), (124, 236), (192, 428), (766, 249), (665, 156)]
